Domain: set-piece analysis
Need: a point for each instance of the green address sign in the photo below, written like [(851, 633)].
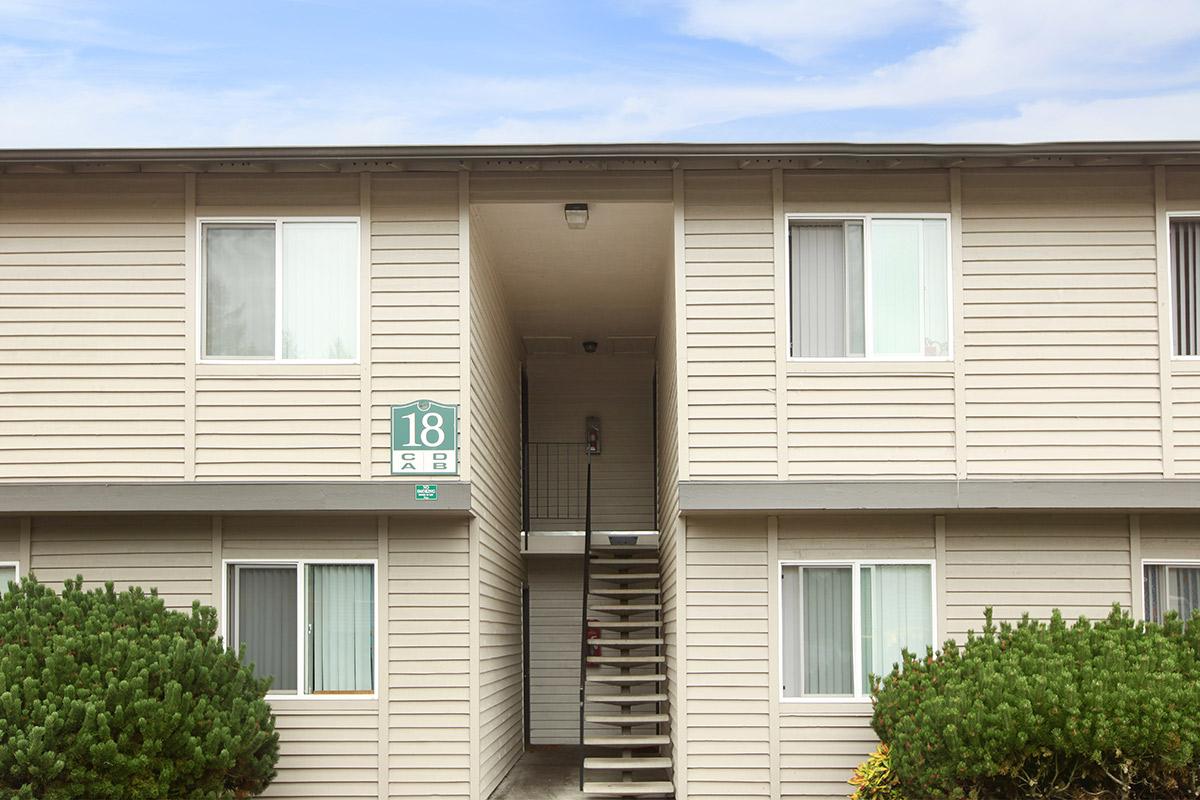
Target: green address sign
[(424, 439)]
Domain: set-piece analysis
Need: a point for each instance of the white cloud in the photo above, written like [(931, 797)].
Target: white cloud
[(799, 30)]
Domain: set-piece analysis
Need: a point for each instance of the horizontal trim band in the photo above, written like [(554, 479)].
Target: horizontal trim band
[(940, 495), (299, 496)]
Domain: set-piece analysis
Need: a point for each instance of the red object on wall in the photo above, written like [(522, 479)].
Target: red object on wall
[(593, 633)]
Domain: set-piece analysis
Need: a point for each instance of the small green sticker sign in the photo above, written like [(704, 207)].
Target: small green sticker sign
[(427, 491), (425, 439)]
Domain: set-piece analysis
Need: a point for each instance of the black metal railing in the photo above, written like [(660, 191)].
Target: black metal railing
[(583, 632), (555, 472)]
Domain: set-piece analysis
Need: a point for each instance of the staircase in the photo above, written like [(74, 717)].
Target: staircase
[(622, 692)]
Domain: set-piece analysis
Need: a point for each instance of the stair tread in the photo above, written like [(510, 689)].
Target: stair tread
[(612, 608), (626, 659), (625, 623), (625, 576), (628, 788), (626, 719), (624, 562), (651, 762), (603, 591), (648, 678), (608, 548), (626, 699), (626, 642), (631, 740)]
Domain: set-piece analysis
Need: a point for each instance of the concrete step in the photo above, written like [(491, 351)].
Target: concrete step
[(626, 661), (628, 788), (603, 591), (626, 643), (652, 762), (630, 741), (626, 719), (627, 608), (626, 699), (625, 679), (625, 577)]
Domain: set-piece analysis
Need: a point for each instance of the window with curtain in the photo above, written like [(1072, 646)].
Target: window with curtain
[(870, 287), (336, 602), (1171, 587), (280, 290), (8, 573), (1185, 285), (835, 638)]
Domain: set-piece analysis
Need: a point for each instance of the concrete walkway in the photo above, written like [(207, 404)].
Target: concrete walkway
[(543, 774)]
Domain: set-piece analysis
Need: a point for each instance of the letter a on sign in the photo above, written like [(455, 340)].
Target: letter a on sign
[(424, 439)]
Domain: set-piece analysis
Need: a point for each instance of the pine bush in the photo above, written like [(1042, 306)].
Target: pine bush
[(1050, 711), (107, 694)]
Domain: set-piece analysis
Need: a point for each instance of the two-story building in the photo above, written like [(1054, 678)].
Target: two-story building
[(836, 400)]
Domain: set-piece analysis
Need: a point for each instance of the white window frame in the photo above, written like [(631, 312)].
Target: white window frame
[(226, 623), (278, 222), (868, 306), (1159, 562), (855, 565), (1170, 283)]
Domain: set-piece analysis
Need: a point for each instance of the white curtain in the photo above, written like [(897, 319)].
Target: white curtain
[(320, 290), (239, 290), (7, 574), (897, 614), (896, 287), (265, 607), (1153, 592), (936, 285), (341, 626)]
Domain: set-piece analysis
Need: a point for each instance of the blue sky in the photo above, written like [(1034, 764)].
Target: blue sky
[(174, 73)]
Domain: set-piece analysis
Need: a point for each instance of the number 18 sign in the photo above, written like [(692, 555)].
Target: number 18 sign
[(424, 439)]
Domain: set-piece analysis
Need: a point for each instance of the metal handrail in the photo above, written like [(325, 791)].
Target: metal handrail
[(583, 631)]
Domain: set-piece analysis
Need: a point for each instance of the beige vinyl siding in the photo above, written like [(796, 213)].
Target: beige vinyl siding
[(729, 325), (1061, 374), (555, 593), (92, 359), (496, 496), (1017, 563), (670, 524), (428, 662), (1168, 536), (172, 554), (1185, 412), (563, 392), (820, 744), (328, 748), (10, 542), (728, 711), (278, 426), (415, 324)]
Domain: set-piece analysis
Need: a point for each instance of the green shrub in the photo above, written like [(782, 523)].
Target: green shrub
[(106, 695), (874, 779), (1039, 710)]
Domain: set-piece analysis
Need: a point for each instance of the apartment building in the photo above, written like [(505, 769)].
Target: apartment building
[(814, 403)]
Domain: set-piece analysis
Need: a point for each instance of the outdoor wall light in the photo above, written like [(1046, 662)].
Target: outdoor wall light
[(576, 214), (589, 347)]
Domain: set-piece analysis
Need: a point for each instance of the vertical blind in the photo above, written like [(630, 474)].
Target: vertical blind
[(341, 628), (265, 610), (1185, 285), (1171, 588), (827, 289), (7, 574), (239, 291)]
